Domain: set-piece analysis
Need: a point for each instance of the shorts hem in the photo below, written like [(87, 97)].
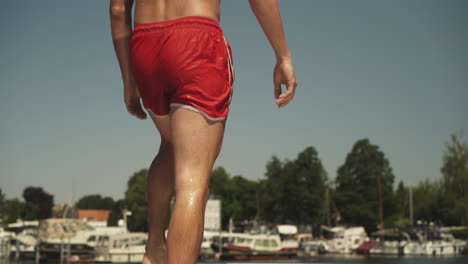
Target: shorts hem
[(203, 113), (158, 116)]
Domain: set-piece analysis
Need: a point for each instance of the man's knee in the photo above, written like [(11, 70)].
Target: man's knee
[(198, 193)]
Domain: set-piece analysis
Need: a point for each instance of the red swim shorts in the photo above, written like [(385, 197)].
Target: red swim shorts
[(185, 62)]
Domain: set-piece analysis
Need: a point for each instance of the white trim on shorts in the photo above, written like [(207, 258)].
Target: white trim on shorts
[(158, 116), (230, 65), (189, 107)]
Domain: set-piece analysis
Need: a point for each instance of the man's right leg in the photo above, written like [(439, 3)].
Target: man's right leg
[(196, 144)]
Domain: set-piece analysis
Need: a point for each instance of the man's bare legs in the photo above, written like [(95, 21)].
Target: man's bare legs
[(189, 144), (160, 189), (196, 144)]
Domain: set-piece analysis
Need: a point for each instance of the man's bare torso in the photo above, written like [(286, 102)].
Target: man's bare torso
[(147, 11)]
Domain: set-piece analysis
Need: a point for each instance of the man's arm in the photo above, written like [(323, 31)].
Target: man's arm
[(120, 12), (269, 17)]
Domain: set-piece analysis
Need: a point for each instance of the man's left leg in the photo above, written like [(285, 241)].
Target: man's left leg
[(160, 190)]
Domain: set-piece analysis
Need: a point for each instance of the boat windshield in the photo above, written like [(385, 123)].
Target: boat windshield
[(129, 242), (273, 243), (287, 237), (103, 241)]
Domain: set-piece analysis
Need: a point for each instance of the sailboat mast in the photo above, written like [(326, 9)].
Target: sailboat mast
[(327, 206), (411, 204), (380, 202)]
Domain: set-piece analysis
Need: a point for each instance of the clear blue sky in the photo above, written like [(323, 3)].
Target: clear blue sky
[(395, 72)]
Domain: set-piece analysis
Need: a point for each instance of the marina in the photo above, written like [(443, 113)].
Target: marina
[(65, 240), (336, 260)]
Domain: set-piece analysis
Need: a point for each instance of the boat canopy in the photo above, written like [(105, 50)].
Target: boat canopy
[(287, 229)]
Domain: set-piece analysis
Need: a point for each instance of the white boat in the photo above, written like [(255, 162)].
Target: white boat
[(23, 241), (206, 252), (242, 246), (345, 240), (389, 242), (5, 238), (23, 246), (121, 248), (447, 245), (388, 247), (312, 248), (72, 239), (288, 237)]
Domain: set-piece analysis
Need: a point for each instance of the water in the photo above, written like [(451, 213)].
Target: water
[(340, 260)]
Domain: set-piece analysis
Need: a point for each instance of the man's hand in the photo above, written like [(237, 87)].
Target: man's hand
[(132, 100), (284, 74)]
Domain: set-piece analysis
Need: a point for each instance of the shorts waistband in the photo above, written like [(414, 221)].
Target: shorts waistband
[(183, 22)]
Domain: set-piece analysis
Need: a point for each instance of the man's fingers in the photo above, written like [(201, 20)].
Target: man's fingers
[(141, 114), (285, 98), (136, 110), (286, 94), (277, 89), (285, 101)]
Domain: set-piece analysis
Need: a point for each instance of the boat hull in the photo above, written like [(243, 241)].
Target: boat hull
[(50, 253), (238, 253)]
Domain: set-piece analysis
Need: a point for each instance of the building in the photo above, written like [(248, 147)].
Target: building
[(94, 217)]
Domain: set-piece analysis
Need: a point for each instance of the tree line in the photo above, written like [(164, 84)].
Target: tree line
[(299, 192)]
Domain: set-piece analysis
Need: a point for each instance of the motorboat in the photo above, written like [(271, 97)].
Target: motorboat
[(70, 239), (310, 247), (23, 246), (5, 238), (389, 242), (345, 240), (288, 238), (246, 246), (206, 251), (443, 245), (120, 248), (23, 240)]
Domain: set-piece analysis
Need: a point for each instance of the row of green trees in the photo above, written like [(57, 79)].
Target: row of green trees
[(37, 204), (446, 199), (299, 192)]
